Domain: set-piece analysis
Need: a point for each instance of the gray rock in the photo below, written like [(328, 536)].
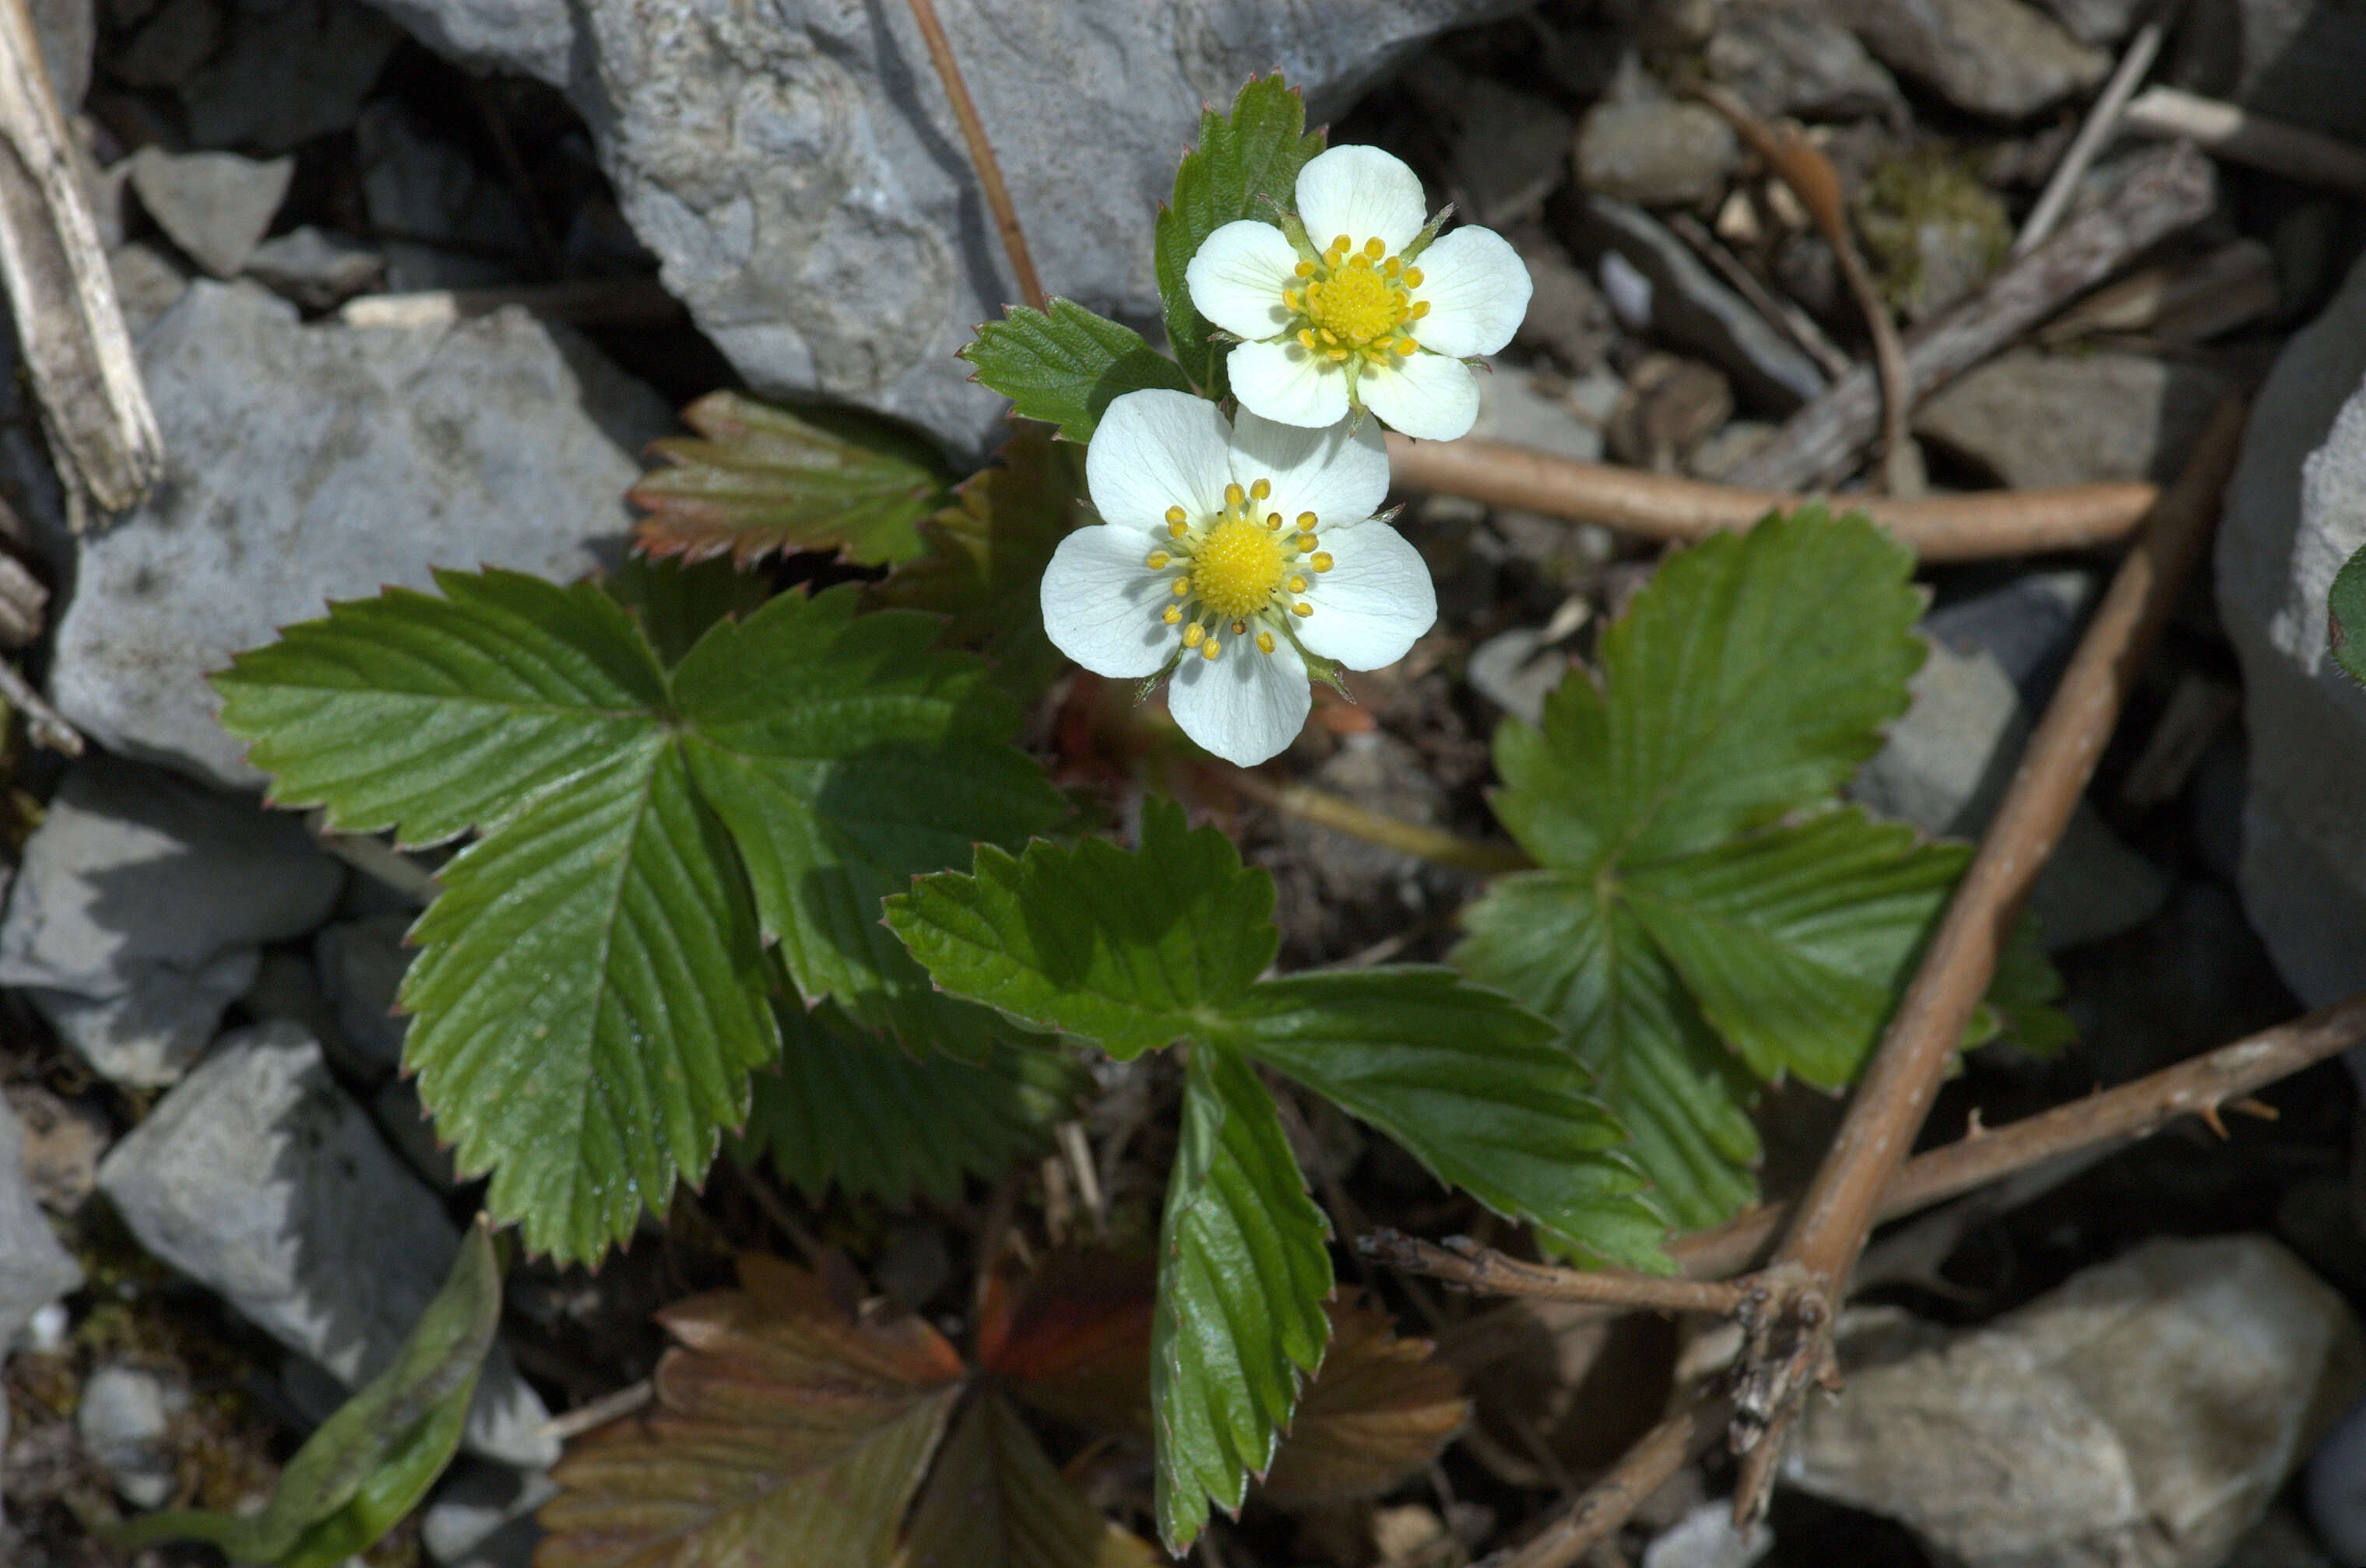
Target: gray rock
[(2100, 22), (2028, 418), (143, 898), (1684, 302), (459, 222), (1516, 671), (67, 29), (2294, 512), (1529, 409), (483, 1516), (1997, 58), (261, 1179), (1786, 57), (1567, 319), (798, 170), (34, 1269), (215, 206), (171, 44), (2298, 60), (2142, 1415), (1507, 149), (1655, 152), (1705, 1538), (125, 1422), (316, 269), (285, 72), (361, 966), (147, 284), (366, 456)]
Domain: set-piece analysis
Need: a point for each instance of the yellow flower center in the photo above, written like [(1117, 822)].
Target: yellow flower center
[(1237, 567), (1355, 305), (1238, 570)]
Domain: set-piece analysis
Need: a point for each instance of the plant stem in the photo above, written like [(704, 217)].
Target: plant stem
[(1311, 805), (1463, 1261), (1604, 1506), (981, 152)]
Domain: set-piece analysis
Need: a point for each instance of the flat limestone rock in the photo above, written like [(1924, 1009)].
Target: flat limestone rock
[(2032, 419), (1997, 58), (2142, 1415), (34, 1269), (262, 1179), (215, 206), (310, 463), (798, 170)]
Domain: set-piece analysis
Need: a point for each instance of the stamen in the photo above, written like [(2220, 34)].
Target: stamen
[(1342, 244), (1337, 355), (1405, 347), (1159, 560), (1264, 642), (1306, 336), (1321, 561), (1174, 613), (1194, 633), (1394, 266), (1306, 521), (1235, 497), (1420, 309), (1304, 269), (1175, 516), (1182, 586), (1177, 528), (1304, 541), (1262, 488), (1302, 608), (1375, 248), (1297, 585), (1273, 521), (1412, 277), (1239, 627), (1210, 649), (1292, 299)]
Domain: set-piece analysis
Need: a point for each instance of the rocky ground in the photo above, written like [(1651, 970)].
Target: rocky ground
[(223, 1208)]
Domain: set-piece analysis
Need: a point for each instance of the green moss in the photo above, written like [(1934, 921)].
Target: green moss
[(1931, 227)]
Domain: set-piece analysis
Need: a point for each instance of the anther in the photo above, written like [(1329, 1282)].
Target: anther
[(1304, 269), (1375, 248), (1412, 277), (1264, 642), (1159, 560), (1405, 347), (1306, 521), (1210, 649), (1182, 586), (1290, 298), (1336, 355), (1235, 497), (1174, 613), (1175, 516), (1302, 608), (1420, 309), (1239, 627), (1394, 266), (1273, 521), (1175, 530), (1306, 336), (1297, 585), (1262, 488), (1304, 541), (1321, 561), (1342, 244), (1194, 633)]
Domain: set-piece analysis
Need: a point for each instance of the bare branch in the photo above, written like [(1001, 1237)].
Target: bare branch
[(1463, 1261), (981, 152)]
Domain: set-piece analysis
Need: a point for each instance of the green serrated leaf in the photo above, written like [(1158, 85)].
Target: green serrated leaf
[(758, 479), (1243, 1275), (882, 1123), (1067, 366), (1131, 951), (1473, 1086), (433, 716), (676, 601), (1749, 680), (371, 1461), (848, 755), (1245, 161), (589, 1001), (2346, 617)]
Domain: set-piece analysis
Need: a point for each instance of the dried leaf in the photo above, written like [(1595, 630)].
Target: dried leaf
[(1074, 1341), (995, 1501), (789, 1426), (757, 479), (1379, 1410)]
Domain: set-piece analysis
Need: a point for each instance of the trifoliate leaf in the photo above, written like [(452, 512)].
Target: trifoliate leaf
[(590, 1000), (1245, 166), (371, 1461), (788, 1428), (1379, 1410), (995, 1501), (1242, 1278), (1749, 680), (1065, 366), (846, 755), (2346, 617), (984, 569), (881, 1122), (433, 716), (757, 479), (1073, 1339), (1473, 1086), (1132, 951), (1689, 944), (675, 601)]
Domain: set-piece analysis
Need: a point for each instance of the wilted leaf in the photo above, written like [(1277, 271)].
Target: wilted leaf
[(1379, 1410), (757, 479), (995, 1501), (1073, 1339), (789, 1427)]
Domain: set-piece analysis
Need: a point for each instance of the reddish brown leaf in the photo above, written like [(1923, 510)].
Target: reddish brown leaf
[(789, 1426), (756, 480), (1379, 1410), (995, 1501), (1074, 1341)]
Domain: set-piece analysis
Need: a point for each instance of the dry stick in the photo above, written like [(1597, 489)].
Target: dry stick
[(1606, 1504), (1780, 313), (1791, 1343), (981, 151), (1817, 184), (1311, 805), (2241, 137), (2164, 190), (2102, 122), (1463, 1261), (1660, 506)]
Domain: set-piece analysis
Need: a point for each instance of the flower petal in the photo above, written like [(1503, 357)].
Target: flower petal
[(1284, 382), (1102, 603), (1157, 449), (1425, 395), (1245, 707), (1477, 288), (1237, 277), (1359, 192), (1374, 600), (1339, 476)]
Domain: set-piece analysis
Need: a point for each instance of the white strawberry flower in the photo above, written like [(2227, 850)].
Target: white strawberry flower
[(1229, 553), (1381, 318)]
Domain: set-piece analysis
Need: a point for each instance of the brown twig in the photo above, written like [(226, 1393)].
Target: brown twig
[(1660, 506), (1780, 313), (1434, 845), (981, 152), (1790, 1344), (1607, 1504), (2102, 122), (2241, 137), (1798, 164), (1461, 1261), (2159, 193)]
